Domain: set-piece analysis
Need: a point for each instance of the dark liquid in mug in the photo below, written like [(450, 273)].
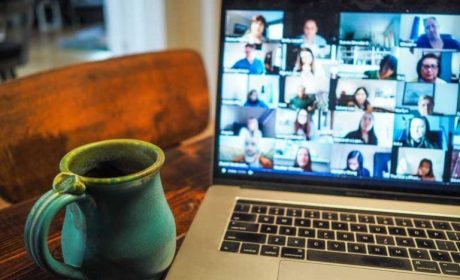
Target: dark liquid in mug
[(115, 168)]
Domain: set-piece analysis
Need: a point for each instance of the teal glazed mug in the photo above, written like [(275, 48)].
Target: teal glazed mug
[(117, 224)]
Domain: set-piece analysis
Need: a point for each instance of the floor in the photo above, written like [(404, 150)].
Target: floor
[(45, 53)]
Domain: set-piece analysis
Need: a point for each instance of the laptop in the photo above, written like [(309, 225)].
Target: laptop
[(337, 144)]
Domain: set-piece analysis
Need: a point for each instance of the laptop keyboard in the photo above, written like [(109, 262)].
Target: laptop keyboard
[(425, 244)]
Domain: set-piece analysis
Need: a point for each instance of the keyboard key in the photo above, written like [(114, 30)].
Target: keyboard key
[(313, 214), (296, 242), (284, 221), (277, 211), (441, 225), (316, 244), (332, 216), (287, 230), (348, 217), (264, 219), (302, 222), (326, 234), (294, 212), (356, 248), (450, 268), (239, 207), (415, 232), (306, 232), (345, 236), (454, 236), (426, 266), (398, 252), (446, 245), (397, 231), (455, 257), (456, 226), (388, 221), (436, 234), (422, 224), (242, 226), (336, 246), (365, 238), (271, 251), (269, 229), (440, 256), (259, 209), (385, 239), (245, 237), (404, 241), (377, 250), (425, 243), (229, 246), (358, 227), (378, 229), (339, 226), (276, 240), (241, 217), (368, 219), (248, 248), (363, 260), (420, 254), (403, 222), (293, 253), (321, 224)]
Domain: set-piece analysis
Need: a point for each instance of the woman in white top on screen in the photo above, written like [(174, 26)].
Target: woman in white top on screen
[(429, 68), (312, 76)]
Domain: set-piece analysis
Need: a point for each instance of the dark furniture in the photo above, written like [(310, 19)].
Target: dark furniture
[(15, 30)]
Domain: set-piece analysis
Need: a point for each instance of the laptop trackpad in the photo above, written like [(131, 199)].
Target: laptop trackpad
[(291, 270)]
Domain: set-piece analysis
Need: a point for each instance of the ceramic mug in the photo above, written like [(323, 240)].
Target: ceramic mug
[(117, 222)]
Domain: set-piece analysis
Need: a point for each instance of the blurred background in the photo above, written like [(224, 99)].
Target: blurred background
[(39, 35)]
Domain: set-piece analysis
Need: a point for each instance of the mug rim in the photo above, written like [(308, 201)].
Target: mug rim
[(153, 168)]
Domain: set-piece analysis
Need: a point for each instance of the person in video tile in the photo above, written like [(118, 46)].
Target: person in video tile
[(252, 155), (302, 124), (425, 170), (355, 162), (425, 105), (311, 39), (253, 100), (312, 76), (249, 62), (433, 39), (387, 71), (360, 100), (365, 131), (303, 100), (417, 134), (303, 159), (251, 129), (255, 34), (429, 68)]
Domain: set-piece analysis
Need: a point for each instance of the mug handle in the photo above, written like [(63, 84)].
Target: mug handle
[(67, 188)]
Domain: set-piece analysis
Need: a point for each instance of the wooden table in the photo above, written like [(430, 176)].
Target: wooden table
[(185, 175)]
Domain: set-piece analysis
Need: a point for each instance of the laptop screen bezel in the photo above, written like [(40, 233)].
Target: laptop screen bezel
[(388, 189)]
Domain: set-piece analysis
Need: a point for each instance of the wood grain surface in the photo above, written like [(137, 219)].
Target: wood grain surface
[(157, 97), (185, 176)]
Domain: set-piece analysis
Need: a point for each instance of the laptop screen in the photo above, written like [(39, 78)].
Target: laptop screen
[(361, 93)]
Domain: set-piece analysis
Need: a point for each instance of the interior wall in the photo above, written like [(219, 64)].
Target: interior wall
[(195, 24)]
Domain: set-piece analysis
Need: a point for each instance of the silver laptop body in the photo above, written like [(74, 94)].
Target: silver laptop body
[(316, 178)]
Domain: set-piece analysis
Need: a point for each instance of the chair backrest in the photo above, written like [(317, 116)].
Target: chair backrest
[(158, 97)]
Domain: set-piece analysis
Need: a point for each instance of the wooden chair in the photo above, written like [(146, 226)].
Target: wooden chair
[(158, 97)]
